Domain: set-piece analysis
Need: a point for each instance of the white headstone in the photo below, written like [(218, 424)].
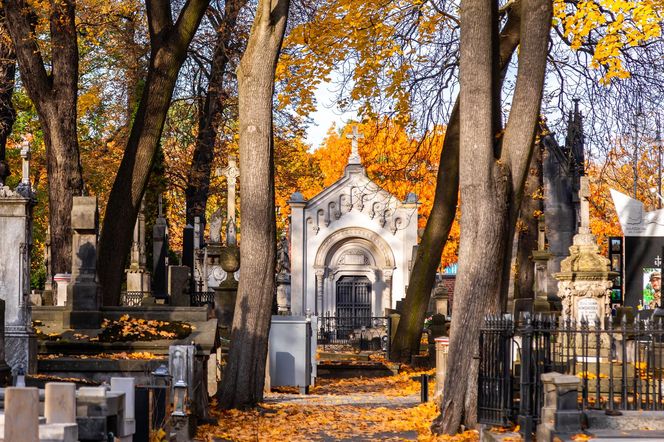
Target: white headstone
[(21, 414), (60, 402)]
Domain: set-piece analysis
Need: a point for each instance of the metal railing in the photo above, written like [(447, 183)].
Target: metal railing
[(620, 365), (133, 299), (359, 332), (199, 299)]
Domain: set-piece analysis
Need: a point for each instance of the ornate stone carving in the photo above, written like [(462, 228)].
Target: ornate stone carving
[(355, 232), (354, 257)]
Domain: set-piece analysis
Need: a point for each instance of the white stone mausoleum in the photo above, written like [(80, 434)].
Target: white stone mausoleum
[(351, 246)]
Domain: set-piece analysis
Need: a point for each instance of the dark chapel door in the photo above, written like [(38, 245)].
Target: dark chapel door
[(353, 304)]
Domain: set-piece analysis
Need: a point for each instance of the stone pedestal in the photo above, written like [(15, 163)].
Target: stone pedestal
[(83, 300), (560, 413), (15, 244), (224, 305), (441, 297), (283, 294), (159, 255), (138, 281), (585, 280), (442, 351), (61, 283)]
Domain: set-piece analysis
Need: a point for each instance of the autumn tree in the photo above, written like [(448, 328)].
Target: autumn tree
[(244, 374), (212, 107), (7, 75), (51, 81), (169, 41), (492, 172)]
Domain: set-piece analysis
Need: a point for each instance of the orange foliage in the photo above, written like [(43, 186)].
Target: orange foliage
[(323, 416)]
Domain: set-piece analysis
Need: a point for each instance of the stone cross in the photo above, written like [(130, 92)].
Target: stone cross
[(354, 157), (584, 211), (231, 172)]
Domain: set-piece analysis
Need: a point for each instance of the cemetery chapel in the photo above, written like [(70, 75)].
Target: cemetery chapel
[(352, 246)]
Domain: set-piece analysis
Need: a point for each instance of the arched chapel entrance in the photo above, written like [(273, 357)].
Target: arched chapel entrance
[(353, 270)]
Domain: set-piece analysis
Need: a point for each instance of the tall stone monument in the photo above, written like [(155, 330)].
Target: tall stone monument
[(15, 244), (585, 279), (83, 298), (138, 276), (225, 293), (283, 278), (159, 254)]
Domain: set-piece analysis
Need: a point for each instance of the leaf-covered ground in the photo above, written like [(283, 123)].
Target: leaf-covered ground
[(385, 408)]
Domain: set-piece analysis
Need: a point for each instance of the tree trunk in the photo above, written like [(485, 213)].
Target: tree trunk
[(244, 376), (7, 76), (527, 230), (55, 98), (198, 177), (407, 338), (492, 175), (169, 43)]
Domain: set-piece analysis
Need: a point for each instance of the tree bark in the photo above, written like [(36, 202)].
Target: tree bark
[(244, 377), (169, 42), (7, 76), (55, 96), (198, 177), (407, 338), (492, 174)]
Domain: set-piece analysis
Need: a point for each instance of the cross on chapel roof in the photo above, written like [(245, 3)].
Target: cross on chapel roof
[(354, 157)]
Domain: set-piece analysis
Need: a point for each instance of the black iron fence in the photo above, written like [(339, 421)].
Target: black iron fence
[(620, 365), (199, 299), (359, 332), (133, 299)]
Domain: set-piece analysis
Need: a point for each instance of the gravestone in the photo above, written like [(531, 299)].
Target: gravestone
[(83, 300), (178, 286), (60, 402), (15, 245), (138, 277), (585, 279), (48, 284), (21, 414), (159, 254)]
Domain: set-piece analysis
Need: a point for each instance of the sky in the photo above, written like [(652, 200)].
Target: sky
[(326, 115)]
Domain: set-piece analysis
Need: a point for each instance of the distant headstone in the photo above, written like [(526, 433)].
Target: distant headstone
[(61, 283), (138, 276), (159, 254), (83, 300), (178, 285)]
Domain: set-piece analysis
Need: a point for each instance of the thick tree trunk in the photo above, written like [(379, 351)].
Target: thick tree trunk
[(491, 180), (55, 98), (244, 376), (198, 177), (7, 76), (407, 337), (169, 46)]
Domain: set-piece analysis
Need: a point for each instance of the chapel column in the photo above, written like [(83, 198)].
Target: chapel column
[(320, 273)]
